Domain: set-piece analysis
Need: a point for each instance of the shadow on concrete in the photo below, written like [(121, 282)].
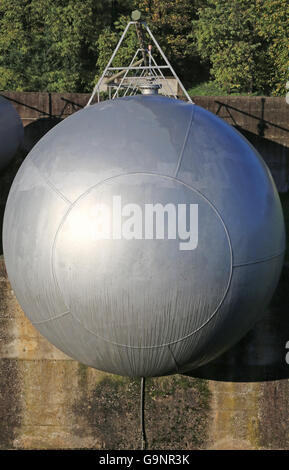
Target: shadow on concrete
[(49, 112), (262, 125), (32, 134), (261, 354), (274, 154), (7, 176), (36, 130)]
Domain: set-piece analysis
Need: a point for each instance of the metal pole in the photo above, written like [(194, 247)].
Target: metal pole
[(110, 61), (151, 67), (139, 32), (165, 80), (167, 62), (125, 74), (142, 67), (142, 417), (134, 86)]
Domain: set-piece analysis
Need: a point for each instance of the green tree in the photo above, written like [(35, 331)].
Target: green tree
[(227, 36), (52, 44), (273, 27), (108, 40), (13, 45), (171, 21), (246, 43)]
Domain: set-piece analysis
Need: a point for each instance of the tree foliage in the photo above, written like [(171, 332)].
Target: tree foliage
[(246, 43), (63, 45), (273, 27), (171, 21), (51, 45), (108, 40)]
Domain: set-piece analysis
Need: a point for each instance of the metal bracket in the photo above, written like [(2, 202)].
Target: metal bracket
[(142, 74)]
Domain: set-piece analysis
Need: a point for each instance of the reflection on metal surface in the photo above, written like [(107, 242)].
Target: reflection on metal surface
[(132, 305)]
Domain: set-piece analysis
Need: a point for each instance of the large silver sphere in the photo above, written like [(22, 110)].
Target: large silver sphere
[(143, 306), (11, 132)]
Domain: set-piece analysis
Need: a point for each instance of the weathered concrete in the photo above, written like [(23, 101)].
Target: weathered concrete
[(49, 401)]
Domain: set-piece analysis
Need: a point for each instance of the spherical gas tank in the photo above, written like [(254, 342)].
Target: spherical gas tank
[(11, 132), (143, 236)]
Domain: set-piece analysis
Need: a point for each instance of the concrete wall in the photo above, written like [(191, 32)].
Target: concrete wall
[(239, 401)]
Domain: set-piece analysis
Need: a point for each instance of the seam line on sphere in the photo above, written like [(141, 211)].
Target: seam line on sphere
[(51, 185), (52, 318), (146, 173), (53, 255), (185, 143), (174, 359), (261, 260), (83, 195), (158, 345)]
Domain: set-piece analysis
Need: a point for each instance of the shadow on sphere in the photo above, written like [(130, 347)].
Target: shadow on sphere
[(260, 355)]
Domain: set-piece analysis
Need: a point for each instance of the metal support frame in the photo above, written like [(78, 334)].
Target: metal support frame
[(148, 73)]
